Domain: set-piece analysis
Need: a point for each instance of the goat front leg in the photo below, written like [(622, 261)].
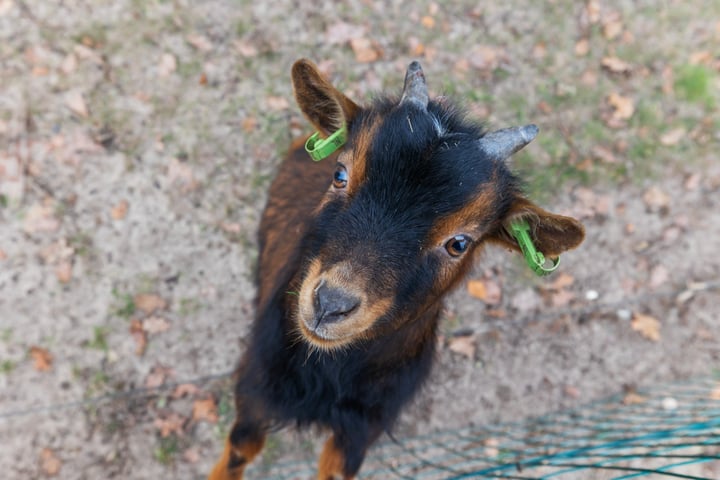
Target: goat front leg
[(344, 453), (246, 440)]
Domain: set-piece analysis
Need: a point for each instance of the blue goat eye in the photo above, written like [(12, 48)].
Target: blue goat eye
[(340, 177), (457, 245)]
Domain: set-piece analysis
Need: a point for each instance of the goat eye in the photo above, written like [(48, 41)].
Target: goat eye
[(340, 177), (457, 245)]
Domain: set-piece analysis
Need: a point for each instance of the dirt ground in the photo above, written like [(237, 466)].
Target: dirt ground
[(137, 142)]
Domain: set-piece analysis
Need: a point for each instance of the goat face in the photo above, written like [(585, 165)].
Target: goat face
[(416, 192)]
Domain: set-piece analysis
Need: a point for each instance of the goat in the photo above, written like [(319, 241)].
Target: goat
[(356, 255)]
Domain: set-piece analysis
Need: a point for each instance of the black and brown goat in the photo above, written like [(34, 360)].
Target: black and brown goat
[(357, 253)]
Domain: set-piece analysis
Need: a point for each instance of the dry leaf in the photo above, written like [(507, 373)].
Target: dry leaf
[(562, 298), (572, 392), (185, 389), (138, 334), (582, 47), (623, 107), (692, 182), (486, 290), (49, 462), (563, 280), (715, 394), (249, 124), (157, 376), (612, 25), (42, 358), (673, 136), (3, 255), (647, 326), (149, 302), (416, 47), (592, 9), (200, 42), (633, 398), (205, 410), (76, 103), (246, 49), (277, 103), (167, 65), (340, 33), (119, 211), (615, 65), (39, 218), (658, 276), (69, 64), (191, 455), (63, 272), (485, 57), (428, 22), (181, 174), (365, 50), (155, 324), (464, 345), (173, 423), (656, 200)]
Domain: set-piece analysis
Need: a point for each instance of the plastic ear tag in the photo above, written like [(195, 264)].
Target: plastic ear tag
[(320, 148), (520, 229)]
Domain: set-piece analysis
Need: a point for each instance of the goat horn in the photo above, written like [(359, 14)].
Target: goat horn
[(415, 89), (500, 144)]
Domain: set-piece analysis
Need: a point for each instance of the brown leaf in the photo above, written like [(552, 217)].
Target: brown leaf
[(173, 423), (623, 107), (167, 65), (40, 219), (249, 124), (63, 271), (647, 326), (658, 276), (612, 25), (155, 324), (149, 302), (633, 398), (615, 65), (562, 298), (181, 174), (185, 389), (191, 455), (200, 42), (486, 290), (49, 462), (673, 137), (119, 211), (486, 57), (205, 410), (365, 50), (428, 22), (656, 200), (582, 47), (76, 103), (69, 64), (715, 394), (42, 358), (572, 392), (692, 182), (563, 280), (464, 345), (3, 255), (277, 103), (138, 334), (157, 376)]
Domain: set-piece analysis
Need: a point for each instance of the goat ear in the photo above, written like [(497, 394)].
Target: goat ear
[(552, 234), (325, 106)]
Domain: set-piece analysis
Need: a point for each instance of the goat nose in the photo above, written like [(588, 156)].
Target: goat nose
[(333, 304)]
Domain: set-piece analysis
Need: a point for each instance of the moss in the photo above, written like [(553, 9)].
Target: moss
[(694, 83)]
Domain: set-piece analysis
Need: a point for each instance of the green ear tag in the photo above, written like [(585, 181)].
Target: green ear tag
[(536, 260), (320, 148)]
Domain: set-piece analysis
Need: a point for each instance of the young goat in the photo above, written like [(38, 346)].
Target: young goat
[(357, 253)]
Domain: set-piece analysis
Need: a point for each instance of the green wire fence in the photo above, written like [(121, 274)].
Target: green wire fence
[(667, 431)]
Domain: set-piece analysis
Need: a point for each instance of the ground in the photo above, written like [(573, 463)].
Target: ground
[(137, 142)]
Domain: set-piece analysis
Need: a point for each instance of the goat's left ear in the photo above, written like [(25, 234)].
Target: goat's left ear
[(325, 106), (552, 234)]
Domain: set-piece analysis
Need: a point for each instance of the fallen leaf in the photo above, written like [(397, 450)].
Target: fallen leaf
[(485, 57), (563, 280), (656, 200), (526, 300), (63, 272), (612, 25), (658, 276), (42, 358), (633, 398), (149, 302), (615, 65), (592, 10), (157, 376), (416, 47), (3, 255), (572, 392), (623, 107), (365, 50), (76, 103), (191, 455), (155, 324), (646, 326), (246, 49), (119, 211), (185, 389), (167, 65), (138, 334), (40, 219), (692, 182), (200, 42), (49, 462), (203, 79), (715, 394), (205, 410), (173, 423), (463, 345), (486, 290), (277, 103), (582, 47), (492, 447), (69, 64), (180, 173), (562, 298), (341, 32), (428, 22), (673, 137), (249, 124)]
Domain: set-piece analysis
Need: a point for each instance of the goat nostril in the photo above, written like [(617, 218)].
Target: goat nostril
[(333, 304)]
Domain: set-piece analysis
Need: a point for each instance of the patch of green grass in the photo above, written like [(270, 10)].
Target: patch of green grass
[(272, 450), (81, 243), (188, 306), (6, 334), (226, 414), (124, 304), (167, 449), (3, 200), (694, 83), (99, 341), (7, 366)]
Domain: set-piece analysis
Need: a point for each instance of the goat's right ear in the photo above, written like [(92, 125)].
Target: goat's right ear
[(324, 105)]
